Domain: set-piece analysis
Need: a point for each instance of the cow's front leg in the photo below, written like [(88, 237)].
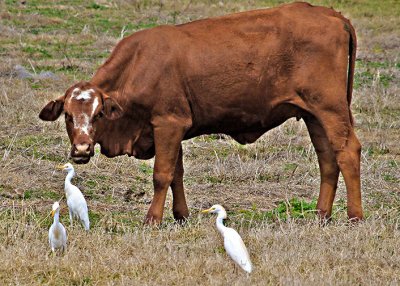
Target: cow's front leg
[(179, 206), (167, 140)]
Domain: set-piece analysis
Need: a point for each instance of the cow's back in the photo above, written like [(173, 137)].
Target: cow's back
[(234, 71), (239, 68)]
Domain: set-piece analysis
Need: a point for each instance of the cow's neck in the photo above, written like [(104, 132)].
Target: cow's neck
[(111, 83), (116, 137)]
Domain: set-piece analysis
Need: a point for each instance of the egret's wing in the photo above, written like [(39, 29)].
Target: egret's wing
[(77, 204), (73, 193), (236, 249), (83, 213), (63, 235), (80, 209), (51, 233), (76, 201)]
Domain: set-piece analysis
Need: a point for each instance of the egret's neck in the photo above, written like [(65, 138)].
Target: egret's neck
[(69, 177), (220, 222), (57, 217)]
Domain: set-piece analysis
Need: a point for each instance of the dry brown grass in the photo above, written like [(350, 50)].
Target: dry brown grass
[(293, 252), (248, 180)]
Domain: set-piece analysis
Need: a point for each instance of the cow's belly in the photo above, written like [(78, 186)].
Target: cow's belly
[(246, 127)]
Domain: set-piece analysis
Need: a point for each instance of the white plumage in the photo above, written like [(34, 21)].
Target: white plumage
[(233, 243), (57, 232), (76, 202)]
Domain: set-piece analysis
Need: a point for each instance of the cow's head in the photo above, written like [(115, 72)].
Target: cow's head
[(85, 106)]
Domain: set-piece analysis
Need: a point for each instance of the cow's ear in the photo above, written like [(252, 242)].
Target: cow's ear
[(52, 110), (111, 109)]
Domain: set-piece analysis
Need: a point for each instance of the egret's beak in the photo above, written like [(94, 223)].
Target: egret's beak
[(60, 167), (206, 211), (53, 213)]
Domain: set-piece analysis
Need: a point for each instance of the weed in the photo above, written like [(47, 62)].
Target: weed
[(145, 169), (390, 178)]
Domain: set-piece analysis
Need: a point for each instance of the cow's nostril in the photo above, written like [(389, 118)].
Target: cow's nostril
[(82, 148)]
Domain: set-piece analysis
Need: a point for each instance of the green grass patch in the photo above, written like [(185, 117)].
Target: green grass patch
[(290, 167), (369, 76), (214, 179), (375, 150), (37, 52), (94, 218), (36, 146), (390, 178), (96, 6), (376, 64), (90, 184), (145, 168), (42, 194), (266, 177), (294, 208), (393, 164)]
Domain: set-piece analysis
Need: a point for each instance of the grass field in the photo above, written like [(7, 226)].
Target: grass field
[(269, 188)]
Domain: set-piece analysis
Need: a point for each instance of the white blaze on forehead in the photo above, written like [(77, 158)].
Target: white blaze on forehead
[(82, 123), (76, 91), (95, 104), (85, 94), (79, 94)]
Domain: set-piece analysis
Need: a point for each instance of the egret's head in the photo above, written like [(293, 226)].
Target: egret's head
[(215, 209), (67, 167), (55, 208)]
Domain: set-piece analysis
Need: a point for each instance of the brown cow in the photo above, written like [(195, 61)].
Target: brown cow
[(242, 75)]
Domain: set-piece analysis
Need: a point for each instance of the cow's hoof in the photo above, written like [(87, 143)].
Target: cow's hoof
[(152, 220), (355, 220), (355, 216), (181, 219), (324, 217), (324, 221)]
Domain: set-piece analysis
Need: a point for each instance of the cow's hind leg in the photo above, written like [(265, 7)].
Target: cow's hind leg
[(179, 206), (339, 130), (329, 169)]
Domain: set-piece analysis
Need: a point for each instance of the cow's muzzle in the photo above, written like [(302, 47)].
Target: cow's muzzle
[(81, 153)]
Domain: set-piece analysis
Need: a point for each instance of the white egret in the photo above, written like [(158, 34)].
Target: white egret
[(57, 232), (233, 243), (76, 202)]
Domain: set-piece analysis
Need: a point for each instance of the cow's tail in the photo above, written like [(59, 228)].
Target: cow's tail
[(352, 63)]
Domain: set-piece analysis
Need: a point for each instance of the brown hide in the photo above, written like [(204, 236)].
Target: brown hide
[(240, 74)]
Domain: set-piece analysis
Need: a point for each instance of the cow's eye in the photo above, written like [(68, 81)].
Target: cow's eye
[(68, 117), (97, 116)]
